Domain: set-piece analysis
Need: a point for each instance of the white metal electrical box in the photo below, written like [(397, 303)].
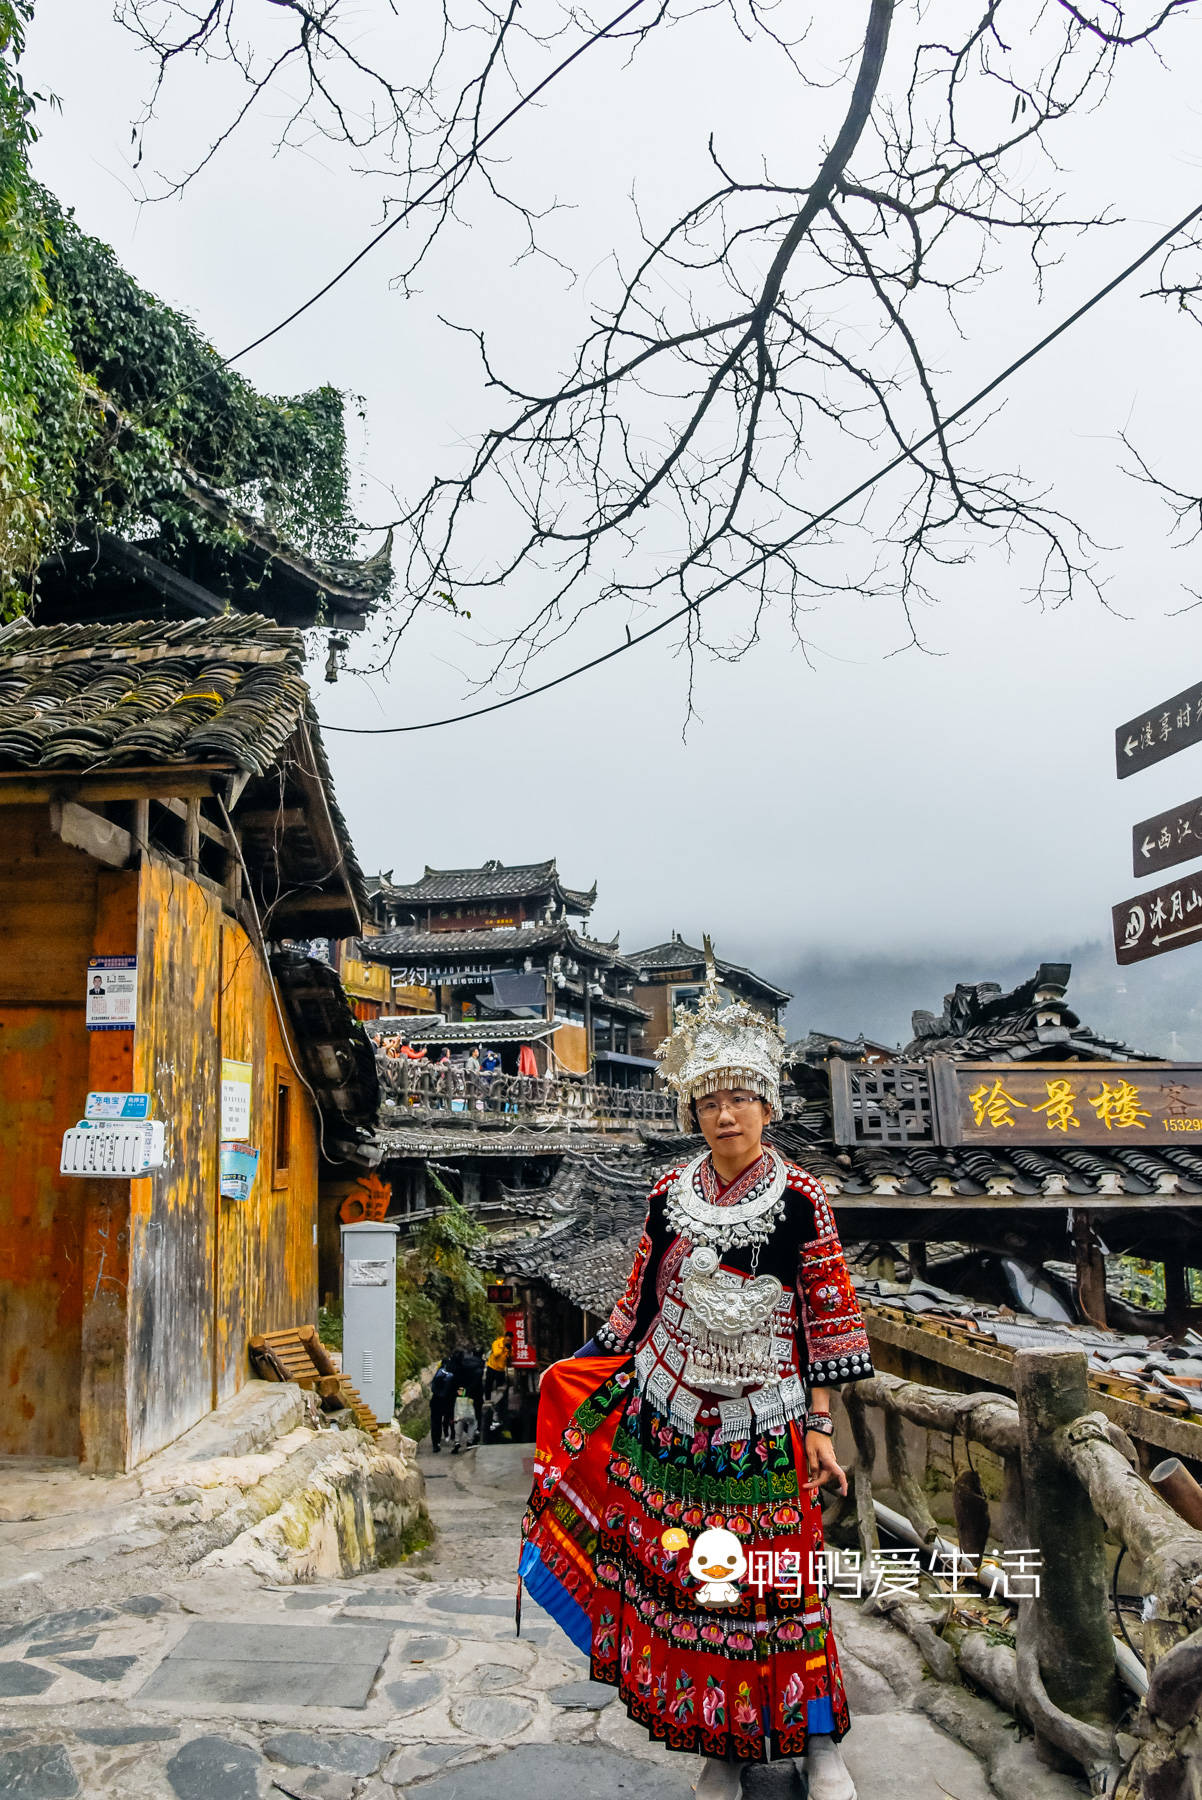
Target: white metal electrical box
[(369, 1313), (120, 1150)]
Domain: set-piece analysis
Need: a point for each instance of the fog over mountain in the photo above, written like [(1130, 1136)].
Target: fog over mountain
[(1155, 1007)]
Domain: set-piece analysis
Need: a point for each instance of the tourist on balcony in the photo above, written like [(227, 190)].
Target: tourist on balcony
[(675, 1519)]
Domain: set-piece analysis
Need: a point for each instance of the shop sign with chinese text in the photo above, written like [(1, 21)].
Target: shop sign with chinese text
[(1163, 918), (514, 1324), (1069, 1103), (1163, 730)]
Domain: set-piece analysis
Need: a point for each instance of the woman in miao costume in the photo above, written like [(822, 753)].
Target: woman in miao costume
[(675, 1516)]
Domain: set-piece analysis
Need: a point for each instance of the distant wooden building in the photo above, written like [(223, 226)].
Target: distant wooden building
[(669, 979), (166, 801), (499, 948)]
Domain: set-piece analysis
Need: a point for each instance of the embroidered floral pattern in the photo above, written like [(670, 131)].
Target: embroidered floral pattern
[(622, 1468)]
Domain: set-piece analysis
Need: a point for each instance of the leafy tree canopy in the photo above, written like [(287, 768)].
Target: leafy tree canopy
[(107, 395)]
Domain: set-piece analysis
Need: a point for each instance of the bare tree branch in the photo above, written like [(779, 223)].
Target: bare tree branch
[(779, 320)]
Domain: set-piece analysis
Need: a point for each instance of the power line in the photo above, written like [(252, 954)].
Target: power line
[(764, 556), (443, 176)]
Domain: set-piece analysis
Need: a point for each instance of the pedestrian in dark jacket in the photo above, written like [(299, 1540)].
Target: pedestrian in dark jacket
[(442, 1401)]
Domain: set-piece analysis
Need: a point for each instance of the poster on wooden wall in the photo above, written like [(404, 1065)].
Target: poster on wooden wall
[(238, 1166), (111, 993), (236, 1079)]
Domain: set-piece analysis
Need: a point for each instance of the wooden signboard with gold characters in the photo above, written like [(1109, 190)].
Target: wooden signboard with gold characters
[(1061, 1103)]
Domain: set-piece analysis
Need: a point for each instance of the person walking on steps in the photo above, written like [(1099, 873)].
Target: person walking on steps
[(465, 1422), (674, 1524), (442, 1402)]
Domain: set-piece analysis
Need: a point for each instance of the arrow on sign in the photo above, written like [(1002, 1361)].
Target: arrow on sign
[(1148, 845), (1168, 936), (1131, 746)]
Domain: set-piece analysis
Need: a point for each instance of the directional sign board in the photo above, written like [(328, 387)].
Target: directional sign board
[(1163, 918), (1170, 837), (1163, 730)]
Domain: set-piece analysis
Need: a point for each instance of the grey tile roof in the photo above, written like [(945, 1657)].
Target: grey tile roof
[(228, 690), (411, 944), (676, 954), (492, 880), (1034, 1021), (475, 1031)]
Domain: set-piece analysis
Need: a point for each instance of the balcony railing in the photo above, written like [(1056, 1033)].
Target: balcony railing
[(418, 1091)]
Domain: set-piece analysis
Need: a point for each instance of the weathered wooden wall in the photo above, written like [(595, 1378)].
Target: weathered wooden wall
[(125, 1307), (47, 921), (173, 1223), (207, 1273), (267, 1249)]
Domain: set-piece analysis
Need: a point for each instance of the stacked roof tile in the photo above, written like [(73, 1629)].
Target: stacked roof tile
[(229, 690)]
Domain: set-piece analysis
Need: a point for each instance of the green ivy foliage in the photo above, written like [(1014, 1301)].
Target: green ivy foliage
[(105, 392)]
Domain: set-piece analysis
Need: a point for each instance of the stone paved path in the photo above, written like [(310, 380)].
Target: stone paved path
[(220, 1689)]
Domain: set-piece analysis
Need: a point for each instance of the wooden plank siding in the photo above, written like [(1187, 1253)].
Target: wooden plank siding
[(173, 1223), (267, 1257), (47, 921), (125, 1307)]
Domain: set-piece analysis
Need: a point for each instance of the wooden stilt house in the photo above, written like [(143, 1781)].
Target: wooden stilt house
[(168, 828)]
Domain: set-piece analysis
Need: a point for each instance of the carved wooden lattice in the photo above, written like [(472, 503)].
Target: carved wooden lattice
[(882, 1103)]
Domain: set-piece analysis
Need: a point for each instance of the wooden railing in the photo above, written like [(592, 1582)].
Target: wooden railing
[(419, 1090), (1068, 1480)]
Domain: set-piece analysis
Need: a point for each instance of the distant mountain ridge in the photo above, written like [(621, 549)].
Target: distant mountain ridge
[(1156, 1004)]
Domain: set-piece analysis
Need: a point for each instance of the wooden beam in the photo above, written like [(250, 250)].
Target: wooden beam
[(307, 902), (26, 787), (1090, 1266), (279, 818), (992, 1367), (91, 832), (182, 810), (192, 823)]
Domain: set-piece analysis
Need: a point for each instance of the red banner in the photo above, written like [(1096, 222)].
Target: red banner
[(523, 1350)]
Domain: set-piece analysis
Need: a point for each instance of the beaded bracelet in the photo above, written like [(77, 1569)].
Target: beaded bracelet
[(821, 1422)]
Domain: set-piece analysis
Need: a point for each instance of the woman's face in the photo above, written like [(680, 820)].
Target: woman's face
[(733, 1120)]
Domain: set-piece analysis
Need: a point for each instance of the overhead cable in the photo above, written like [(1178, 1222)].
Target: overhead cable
[(443, 176), (757, 562)]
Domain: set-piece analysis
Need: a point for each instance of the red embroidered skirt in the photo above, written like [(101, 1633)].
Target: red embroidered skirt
[(611, 1477)]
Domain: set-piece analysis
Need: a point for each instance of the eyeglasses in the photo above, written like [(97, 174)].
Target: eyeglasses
[(738, 1102)]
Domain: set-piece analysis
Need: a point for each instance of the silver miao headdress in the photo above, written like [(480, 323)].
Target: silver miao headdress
[(724, 1044)]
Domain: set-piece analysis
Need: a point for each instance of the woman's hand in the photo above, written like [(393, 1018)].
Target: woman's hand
[(821, 1461)]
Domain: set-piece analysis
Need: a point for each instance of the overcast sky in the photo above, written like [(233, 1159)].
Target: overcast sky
[(959, 806)]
